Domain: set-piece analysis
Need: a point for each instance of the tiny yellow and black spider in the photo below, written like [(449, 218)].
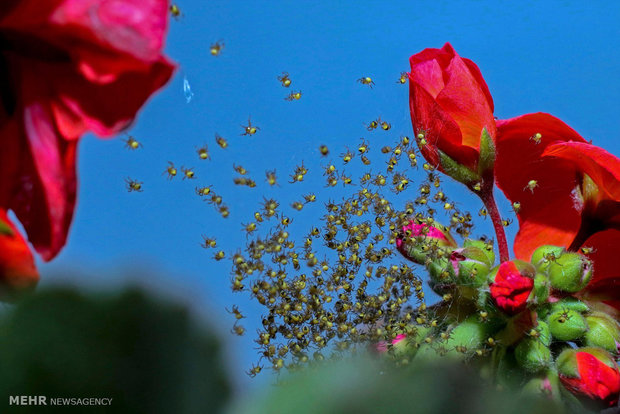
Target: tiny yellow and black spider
[(293, 96), (175, 11), (133, 185), (285, 80), (366, 80), (249, 128), (216, 48), (132, 143)]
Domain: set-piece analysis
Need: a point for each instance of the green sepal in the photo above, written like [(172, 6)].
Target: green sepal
[(5, 229), (541, 288), (472, 273), (566, 363), (487, 154), (570, 303), (457, 171), (488, 250)]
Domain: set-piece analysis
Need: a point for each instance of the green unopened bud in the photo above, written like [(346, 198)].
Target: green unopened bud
[(532, 355), (544, 255), (603, 332), (541, 288), (547, 385), (567, 325), (570, 272), (468, 336)]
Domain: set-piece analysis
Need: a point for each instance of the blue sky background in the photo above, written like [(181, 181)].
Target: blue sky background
[(553, 56)]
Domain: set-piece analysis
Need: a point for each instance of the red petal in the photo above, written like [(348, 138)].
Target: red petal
[(17, 269), (550, 213), (104, 38), (106, 109), (600, 165), (46, 199), (605, 283), (466, 102), (598, 380)]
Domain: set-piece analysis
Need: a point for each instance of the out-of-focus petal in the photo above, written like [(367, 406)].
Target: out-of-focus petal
[(46, 198), (17, 270)]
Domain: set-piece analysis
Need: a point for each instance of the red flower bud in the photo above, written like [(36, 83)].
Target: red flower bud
[(415, 238), (450, 107), (17, 269), (512, 286), (591, 373)]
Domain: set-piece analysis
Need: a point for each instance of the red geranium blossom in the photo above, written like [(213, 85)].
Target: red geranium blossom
[(575, 198), (68, 67), (450, 102)]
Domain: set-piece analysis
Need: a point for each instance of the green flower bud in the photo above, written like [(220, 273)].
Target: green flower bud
[(567, 325), (547, 385), (532, 355), (603, 332), (544, 255), (469, 335), (541, 288), (571, 272)]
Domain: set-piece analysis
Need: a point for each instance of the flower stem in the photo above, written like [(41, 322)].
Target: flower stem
[(491, 206)]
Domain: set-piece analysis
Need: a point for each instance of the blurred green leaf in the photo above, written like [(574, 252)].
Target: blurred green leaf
[(149, 356), (366, 386)]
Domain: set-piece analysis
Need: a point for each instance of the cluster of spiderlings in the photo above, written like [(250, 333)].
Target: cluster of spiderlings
[(342, 284)]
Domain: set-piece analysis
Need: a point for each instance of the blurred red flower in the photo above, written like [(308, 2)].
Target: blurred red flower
[(450, 104), (17, 269), (68, 67)]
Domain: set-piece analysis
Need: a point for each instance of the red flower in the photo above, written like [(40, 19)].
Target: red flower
[(512, 286), (591, 373), (17, 269), (544, 187), (575, 201), (68, 67), (451, 105)]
